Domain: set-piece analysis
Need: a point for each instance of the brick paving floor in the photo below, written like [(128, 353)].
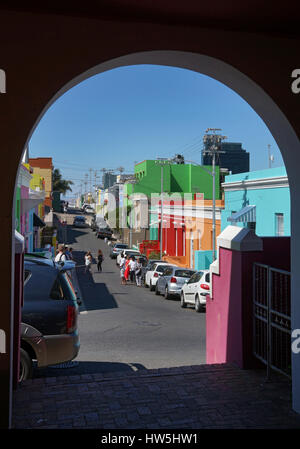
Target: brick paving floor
[(193, 397)]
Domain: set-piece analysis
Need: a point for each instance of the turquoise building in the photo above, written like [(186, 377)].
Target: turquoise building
[(259, 200)]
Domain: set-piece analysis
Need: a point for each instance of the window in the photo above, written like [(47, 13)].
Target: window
[(184, 273), (57, 291), (160, 268), (168, 272), (279, 224), (195, 278)]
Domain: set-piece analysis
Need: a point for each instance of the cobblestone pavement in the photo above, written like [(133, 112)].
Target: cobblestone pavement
[(191, 397)]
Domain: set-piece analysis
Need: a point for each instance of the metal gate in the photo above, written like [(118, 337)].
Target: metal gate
[(272, 318)]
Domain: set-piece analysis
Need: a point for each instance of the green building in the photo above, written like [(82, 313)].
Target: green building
[(181, 178), (177, 178)]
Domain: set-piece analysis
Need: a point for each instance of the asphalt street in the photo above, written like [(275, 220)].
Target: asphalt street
[(127, 327)]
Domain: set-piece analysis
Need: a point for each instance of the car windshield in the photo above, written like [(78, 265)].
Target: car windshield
[(120, 246), (184, 273)]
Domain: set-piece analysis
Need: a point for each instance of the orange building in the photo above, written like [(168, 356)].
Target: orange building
[(188, 227)]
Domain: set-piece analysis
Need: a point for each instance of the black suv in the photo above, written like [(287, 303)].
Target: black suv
[(49, 331)]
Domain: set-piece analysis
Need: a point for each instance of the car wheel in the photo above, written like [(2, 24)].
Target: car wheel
[(167, 296), (152, 287), (182, 301), (26, 367), (198, 306), (157, 291)]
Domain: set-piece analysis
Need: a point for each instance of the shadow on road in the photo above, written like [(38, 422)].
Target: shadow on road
[(96, 295), (87, 368), (72, 234)]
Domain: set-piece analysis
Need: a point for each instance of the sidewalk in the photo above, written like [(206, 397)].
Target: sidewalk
[(192, 397)]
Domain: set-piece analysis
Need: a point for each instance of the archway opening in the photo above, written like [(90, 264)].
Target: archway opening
[(259, 101)]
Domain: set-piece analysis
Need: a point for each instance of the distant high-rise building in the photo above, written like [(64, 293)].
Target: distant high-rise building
[(108, 180), (231, 156)]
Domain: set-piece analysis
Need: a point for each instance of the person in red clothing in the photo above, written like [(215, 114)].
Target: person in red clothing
[(127, 268)]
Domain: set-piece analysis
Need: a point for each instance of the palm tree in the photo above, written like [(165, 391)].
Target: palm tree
[(59, 184)]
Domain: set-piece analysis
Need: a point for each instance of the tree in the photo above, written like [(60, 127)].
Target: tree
[(59, 184)]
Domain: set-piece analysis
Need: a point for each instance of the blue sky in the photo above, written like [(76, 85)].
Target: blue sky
[(142, 112)]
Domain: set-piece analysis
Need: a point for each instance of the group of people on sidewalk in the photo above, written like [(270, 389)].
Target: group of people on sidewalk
[(130, 270), (63, 253)]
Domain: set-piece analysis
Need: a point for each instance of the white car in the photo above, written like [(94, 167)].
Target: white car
[(89, 210), (153, 275), (195, 290), (130, 252)]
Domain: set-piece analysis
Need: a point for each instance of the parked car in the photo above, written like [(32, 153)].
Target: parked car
[(84, 206), (102, 233), (93, 223), (128, 252), (195, 290), (148, 267), (116, 249), (49, 332), (79, 222), (89, 210), (172, 280), (153, 274)]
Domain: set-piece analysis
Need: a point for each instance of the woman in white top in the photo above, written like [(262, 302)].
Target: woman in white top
[(88, 261)]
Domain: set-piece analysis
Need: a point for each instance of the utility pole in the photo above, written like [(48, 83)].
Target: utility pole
[(162, 162), (91, 171), (212, 143), (85, 185), (130, 218)]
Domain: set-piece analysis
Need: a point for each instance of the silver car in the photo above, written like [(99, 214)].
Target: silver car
[(172, 280)]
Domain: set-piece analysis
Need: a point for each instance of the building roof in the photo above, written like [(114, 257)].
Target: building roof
[(41, 162)]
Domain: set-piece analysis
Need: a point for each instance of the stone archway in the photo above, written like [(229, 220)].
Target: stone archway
[(70, 50)]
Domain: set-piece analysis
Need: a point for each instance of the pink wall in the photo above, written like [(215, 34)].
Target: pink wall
[(223, 312), (229, 313)]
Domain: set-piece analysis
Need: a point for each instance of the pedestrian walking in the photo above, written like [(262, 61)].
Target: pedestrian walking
[(127, 268), (88, 261), (71, 254), (132, 265), (67, 253), (138, 273), (122, 269), (100, 260)]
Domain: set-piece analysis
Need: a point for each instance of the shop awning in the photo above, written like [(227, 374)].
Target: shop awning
[(37, 221), (247, 214)]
